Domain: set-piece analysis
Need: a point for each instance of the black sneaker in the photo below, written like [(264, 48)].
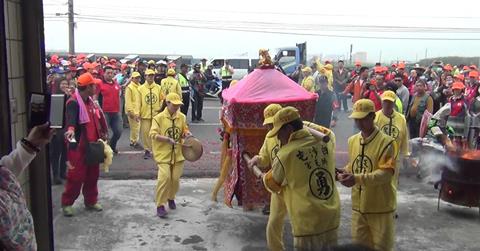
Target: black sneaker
[(266, 210), (201, 120), (137, 146), (147, 155), (115, 152)]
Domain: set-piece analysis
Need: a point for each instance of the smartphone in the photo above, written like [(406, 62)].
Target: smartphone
[(47, 108), (57, 111), (39, 109)]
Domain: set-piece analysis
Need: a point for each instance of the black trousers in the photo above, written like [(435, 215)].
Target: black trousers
[(186, 102), (197, 106), (414, 128), (58, 155), (225, 85)]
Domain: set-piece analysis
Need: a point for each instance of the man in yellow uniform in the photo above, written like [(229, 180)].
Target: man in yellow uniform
[(303, 174), (148, 106), (168, 129), (170, 84), (393, 124), (370, 172), (308, 81), (132, 98)]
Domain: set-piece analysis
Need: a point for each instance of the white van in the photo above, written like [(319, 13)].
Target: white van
[(239, 64)]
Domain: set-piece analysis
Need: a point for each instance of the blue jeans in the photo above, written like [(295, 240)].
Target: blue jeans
[(114, 121)]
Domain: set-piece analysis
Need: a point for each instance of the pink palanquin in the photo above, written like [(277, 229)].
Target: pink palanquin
[(242, 117)]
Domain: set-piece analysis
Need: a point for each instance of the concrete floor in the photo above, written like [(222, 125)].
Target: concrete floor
[(129, 222)]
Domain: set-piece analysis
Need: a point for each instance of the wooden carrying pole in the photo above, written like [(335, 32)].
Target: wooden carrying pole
[(256, 171)]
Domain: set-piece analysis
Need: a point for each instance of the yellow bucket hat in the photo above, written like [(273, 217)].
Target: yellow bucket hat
[(389, 95), (269, 112), (173, 98), (282, 117)]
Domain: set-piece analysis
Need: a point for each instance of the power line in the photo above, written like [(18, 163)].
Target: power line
[(273, 32), (311, 27), (164, 10)]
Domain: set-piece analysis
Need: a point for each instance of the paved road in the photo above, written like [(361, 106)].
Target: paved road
[(129, 164), (129, 222)]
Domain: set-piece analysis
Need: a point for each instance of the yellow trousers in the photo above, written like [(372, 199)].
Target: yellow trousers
[(145, 125), (168, 182), (134, 130), (376, 231), (316, 242), (275, 224)]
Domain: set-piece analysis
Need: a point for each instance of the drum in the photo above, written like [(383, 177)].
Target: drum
[(192, 149)]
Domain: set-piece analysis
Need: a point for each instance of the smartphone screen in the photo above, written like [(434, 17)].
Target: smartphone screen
[(57, 110), (38, 109)]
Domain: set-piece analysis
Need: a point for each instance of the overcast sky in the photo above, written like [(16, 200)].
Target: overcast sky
[(224, 28)]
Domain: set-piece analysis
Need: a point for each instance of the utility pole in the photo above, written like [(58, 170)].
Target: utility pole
[(71, 28), (380, 58), (426, 51), (351, 49)]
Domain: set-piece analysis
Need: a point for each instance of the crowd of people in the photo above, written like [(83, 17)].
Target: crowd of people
[(116, 94), (103, 97), (389, 106), (449, 93)]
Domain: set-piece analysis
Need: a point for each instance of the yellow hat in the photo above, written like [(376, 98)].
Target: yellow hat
[(173, 98), (149, 72), (282, 117), (389, 95), (136, 74), (329, 67), (171, 72), (306, 69), (151, 62), (269, 112), (362, 108)]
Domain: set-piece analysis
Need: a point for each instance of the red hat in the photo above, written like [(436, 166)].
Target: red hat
[(113, 60), (384, 68), (87, 66), (123, 67), (460, 76), (95, 65), (473, 67), (86, 79), (473, 74), (447, 67), (394, 65), (401, 66), (378, 69), (81, 56), (458, 86), (465, 68), (357, 63)]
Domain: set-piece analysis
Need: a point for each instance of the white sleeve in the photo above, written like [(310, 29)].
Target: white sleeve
[(17, 160)]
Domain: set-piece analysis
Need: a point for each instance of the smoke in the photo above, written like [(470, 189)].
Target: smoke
[(431, 165)]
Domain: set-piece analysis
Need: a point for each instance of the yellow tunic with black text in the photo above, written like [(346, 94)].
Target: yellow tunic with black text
[(394, 126), (374, 198), (172, 126), (169, 158), (151, 98), (304, 171), (170, 84), (147, 107)]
